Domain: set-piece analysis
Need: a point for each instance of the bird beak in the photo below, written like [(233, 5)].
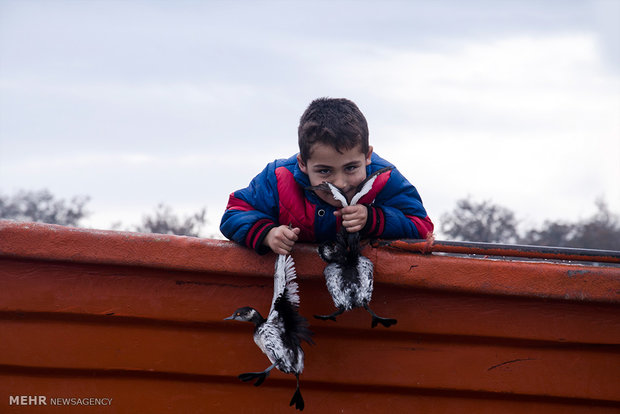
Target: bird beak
[(229, 318)]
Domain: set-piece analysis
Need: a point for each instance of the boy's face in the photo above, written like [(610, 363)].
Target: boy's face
[(346, 169)]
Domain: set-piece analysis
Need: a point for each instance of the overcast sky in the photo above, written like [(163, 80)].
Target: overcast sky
[(140, 102)]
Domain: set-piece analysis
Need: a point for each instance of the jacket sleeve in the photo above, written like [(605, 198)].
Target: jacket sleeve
[(252, 211), (397, 212)]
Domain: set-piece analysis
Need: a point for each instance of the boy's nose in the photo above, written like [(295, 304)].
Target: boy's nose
[(340, 182)]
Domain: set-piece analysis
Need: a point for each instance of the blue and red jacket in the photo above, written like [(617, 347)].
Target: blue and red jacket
[(277, 196)]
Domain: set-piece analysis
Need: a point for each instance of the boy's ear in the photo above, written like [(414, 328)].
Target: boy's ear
[(302, 165), (369, 155)]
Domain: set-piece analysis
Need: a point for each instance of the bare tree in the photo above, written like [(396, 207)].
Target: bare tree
[(164, 221), (41, 206), (480, 222)]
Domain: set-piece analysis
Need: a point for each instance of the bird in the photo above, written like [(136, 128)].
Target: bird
[(349, 275), (279, 336)]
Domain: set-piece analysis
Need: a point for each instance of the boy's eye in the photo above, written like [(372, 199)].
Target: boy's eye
[(323, 172), (351, 168)]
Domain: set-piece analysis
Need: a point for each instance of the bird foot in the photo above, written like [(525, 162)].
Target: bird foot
[(387, 322), (249, 376), (331, 317), (298, 400)]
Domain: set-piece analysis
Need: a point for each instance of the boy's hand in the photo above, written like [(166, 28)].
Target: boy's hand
[(353, 217), (281, 239)]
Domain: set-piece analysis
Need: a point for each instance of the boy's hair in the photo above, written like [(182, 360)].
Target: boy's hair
[(336, 122)]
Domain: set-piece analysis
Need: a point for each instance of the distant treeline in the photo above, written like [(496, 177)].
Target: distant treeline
[(488, 222), (42, 206), (470, 220)]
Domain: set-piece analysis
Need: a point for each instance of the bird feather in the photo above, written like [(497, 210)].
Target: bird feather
[(284, 281), (365, 186), (337, 194)]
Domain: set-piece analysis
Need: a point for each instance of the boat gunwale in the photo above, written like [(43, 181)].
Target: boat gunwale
[(404, 263)]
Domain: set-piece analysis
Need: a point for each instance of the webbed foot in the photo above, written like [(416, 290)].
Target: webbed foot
[(297, 399), (387, 322), (331, 317), (249, 376)]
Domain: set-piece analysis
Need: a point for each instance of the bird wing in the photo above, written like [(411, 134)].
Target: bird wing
[(337, 193), (365, 186), (284, 281), (365, 269), (284, 308), (335, 285)]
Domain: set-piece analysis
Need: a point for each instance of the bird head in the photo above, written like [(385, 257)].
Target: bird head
[(245, 314)]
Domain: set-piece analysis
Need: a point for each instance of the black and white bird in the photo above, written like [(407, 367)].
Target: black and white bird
[(280, 335), (349, 275)]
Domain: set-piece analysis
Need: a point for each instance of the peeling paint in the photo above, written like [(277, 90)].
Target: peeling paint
[(573, 273)]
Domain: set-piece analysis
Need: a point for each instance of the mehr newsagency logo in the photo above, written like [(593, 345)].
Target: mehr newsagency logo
[(41, 400)]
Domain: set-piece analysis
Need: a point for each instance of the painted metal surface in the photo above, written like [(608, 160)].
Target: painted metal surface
[(138, 318), (504, 250)]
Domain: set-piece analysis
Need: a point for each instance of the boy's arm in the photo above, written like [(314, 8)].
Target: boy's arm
[(252, 212), (397, 212)]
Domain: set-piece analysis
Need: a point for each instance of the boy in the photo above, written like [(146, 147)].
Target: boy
[(276, 210)]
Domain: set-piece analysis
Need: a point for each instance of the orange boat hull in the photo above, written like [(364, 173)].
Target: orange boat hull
[(138, 319)]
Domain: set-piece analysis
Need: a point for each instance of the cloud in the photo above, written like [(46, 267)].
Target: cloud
[(525, 121), (186, 101)]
